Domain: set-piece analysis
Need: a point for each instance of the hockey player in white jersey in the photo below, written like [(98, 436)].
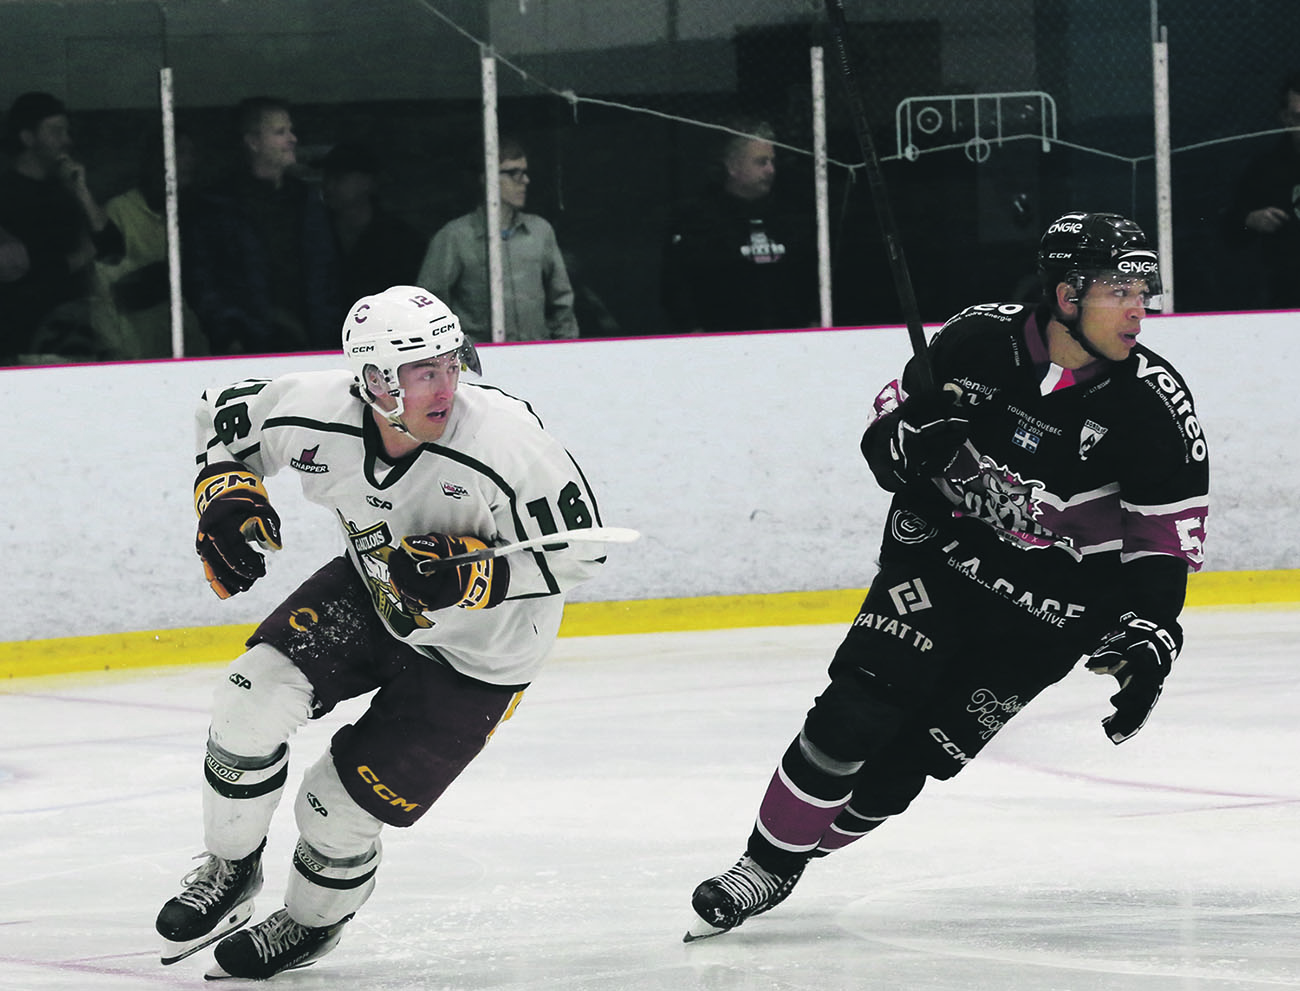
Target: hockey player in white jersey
[(414, 466)]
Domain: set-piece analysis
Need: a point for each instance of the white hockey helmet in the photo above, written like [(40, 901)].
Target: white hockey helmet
[(393, 328)]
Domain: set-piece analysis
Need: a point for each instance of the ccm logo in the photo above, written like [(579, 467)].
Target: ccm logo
[(383, 791), (952, 750)]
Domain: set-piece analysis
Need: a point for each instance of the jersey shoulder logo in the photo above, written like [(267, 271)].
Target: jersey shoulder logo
[(306, 461)]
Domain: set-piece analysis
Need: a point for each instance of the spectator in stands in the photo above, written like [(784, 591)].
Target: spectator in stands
[(739, 257), (1265, 211), (376, 248), (260, 264), (14, 261), (46, 206), (138, 286), (593, 315), (538, 296)]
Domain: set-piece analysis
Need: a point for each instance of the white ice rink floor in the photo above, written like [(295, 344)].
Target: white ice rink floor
[(565, 857)]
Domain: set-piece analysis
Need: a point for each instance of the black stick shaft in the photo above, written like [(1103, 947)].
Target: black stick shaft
[(880, 197)]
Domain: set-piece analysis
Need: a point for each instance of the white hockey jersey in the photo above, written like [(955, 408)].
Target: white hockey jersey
[(495, 474)]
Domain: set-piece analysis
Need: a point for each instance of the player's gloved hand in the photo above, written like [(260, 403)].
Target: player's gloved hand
[(233, 508), (931, 429), (1140, 655), (422, 586)]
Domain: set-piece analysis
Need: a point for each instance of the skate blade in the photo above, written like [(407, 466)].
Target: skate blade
[(174, 951), (700, 929), (216, 973)]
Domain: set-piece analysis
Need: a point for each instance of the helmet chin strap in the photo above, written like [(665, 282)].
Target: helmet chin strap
[(393, 417), (1071, 324), (1073, 327)]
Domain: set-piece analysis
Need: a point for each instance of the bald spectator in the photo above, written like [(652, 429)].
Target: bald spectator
[(738, 257)]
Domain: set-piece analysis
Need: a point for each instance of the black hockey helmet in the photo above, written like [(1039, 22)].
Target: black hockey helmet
[(1079, 247)]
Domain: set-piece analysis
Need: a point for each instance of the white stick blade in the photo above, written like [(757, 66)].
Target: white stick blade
[(602, 534)]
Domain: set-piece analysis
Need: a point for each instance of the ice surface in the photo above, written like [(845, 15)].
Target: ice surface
[(564, 858)]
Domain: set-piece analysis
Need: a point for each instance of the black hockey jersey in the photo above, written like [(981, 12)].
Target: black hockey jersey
[(1085, 472)]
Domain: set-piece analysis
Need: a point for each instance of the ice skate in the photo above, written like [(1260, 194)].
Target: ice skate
[(722, 903), (276, 944), (217, 899)]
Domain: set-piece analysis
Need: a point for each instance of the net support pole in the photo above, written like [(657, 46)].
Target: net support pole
[(171, 192), (492, 193), (1164, 191), (820, 185)]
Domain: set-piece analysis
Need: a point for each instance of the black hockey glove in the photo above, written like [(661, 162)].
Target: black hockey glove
[(422, 585), (233, 509), (1140, 655), (931, 428)]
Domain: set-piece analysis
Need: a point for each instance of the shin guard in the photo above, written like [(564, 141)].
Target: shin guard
[(239, 798), (324, 890)]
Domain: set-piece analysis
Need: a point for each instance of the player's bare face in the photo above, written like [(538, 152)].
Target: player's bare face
[(1112, 315), (428, 394)]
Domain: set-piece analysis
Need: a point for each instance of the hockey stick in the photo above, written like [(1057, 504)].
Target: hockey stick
[(880, 197), (593, 535)]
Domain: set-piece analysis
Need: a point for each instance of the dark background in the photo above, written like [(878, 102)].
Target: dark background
[(607, 176)]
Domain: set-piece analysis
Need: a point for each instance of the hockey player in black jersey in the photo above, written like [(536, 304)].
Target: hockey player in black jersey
[(1048, 504)]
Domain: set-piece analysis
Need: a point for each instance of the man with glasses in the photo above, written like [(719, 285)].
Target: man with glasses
[(536, 287)]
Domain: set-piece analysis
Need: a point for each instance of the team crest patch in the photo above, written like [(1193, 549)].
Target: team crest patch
[(454, 490), (306, 461), (1006, 501), (370, 539), (1089, 437)]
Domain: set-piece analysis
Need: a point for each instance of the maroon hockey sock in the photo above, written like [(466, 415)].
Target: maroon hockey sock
[(847, 827), (791, 823)]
